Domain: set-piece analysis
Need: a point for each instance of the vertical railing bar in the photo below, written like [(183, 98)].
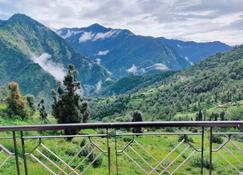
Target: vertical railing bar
[(16, 153), (23, 152), (202, 151), (108, 151), (116, 152), (210, 150)]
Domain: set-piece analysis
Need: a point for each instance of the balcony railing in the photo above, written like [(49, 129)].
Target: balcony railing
[(182, 147)]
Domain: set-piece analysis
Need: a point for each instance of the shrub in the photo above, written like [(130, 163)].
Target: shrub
[(217, 139), (92, 157), (196, 162), (15, 102), (137, 117), (186, 138)]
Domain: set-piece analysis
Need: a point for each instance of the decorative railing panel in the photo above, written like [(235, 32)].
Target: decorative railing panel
[(112, 148)]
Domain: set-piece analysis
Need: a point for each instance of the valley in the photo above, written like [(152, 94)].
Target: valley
[(100, 75)]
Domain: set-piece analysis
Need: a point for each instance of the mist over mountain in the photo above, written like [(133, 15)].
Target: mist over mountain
[(122, 51)]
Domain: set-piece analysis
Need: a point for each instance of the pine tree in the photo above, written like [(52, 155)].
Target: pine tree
[(69, 106), (16, 104), (42, 110)]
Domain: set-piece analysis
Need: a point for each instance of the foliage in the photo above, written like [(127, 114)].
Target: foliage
[(185, 138), (68, 105), (133, 83), (214, 83), (196, 162), (31, 102), (15, 102), (42, 110), (92, 156), (137, 117), (217, 139)]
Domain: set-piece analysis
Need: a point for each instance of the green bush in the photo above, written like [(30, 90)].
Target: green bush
[(217, 139), (196, 162)]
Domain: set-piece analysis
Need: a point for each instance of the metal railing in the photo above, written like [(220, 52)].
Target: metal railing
[(206, 147)]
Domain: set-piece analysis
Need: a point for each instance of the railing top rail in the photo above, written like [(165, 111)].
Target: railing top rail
[(159, 124)]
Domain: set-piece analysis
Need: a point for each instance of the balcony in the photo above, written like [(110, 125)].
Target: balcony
[(146, 148)]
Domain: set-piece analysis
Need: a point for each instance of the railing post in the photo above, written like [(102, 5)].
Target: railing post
[(108, 151), (202, 151), (116, 152), (210, 150), (23, 152), (16, 153)]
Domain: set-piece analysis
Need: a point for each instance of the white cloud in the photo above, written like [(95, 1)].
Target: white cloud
[(189, 60), (199, 20), (133, 69), (156, 66), (89, 36), (54, 69), (98, 61), (101, 36), (159, 66), (98, 86), (86, 36), (103, 52), (68, 33)]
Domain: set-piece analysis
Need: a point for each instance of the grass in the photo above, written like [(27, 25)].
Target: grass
[(157, 147)]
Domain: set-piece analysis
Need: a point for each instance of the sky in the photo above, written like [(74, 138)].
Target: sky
[(197, 20)]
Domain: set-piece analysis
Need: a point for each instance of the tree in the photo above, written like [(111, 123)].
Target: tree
[(137, 117), (222, 115), (16, 104), (69, 106), (42, 110), (31, 102), (199, 116)]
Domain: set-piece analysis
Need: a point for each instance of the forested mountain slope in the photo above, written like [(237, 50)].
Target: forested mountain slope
[(217, 81), (37, 57)]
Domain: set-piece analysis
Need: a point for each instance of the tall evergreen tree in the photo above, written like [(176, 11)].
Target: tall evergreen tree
[(69, 106)]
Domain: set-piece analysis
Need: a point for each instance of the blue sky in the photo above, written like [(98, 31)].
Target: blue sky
[(198, 20)]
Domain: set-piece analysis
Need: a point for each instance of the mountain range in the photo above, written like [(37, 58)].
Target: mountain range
[(123, 52), (36, 57), (215, 82)]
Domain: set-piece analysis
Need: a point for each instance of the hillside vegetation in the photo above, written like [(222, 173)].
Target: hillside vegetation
[(214, 83)]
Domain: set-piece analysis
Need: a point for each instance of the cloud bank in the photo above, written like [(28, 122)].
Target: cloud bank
[(199, 20), (56, 70)]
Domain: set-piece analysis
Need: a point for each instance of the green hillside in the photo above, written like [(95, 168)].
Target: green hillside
[(15, 66), (133, 83), (214, 83)]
